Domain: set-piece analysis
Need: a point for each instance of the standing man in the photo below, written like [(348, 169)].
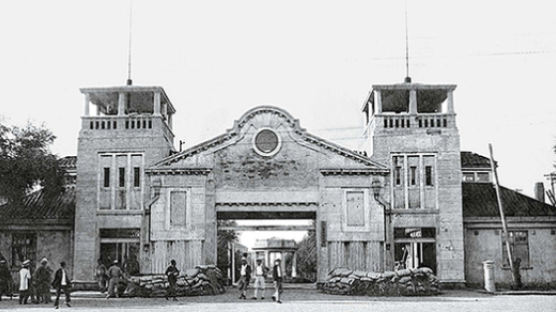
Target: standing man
[(62, 282), (24, 281), (41, 278), (277, 277), (114, 274), (244, 277), (5, 279), (260, 273), (172, 273), (100, 275)]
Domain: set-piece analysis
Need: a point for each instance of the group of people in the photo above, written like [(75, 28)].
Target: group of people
[(260, 273), (36, 284), (110, 279)]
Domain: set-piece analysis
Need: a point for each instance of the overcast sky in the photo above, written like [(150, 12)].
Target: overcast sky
[(316, 59)]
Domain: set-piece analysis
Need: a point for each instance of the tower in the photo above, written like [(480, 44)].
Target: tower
[(131, 129), (412, 128)]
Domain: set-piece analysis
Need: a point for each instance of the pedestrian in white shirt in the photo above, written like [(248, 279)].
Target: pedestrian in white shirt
[(244, 277), (24, 279), (260, 273)]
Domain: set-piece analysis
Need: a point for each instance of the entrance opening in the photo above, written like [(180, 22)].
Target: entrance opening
[(414, 248), (121, 245), (291, 241)]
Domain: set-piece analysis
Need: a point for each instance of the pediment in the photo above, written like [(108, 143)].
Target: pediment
[(248, 129)]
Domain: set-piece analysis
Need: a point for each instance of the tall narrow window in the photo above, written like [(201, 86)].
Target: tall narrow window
[(323, 237), (178, 208), (428, 176), (136, 177), (355, 208), (398, 176), (106, 177), (122, 177), (413, 175)]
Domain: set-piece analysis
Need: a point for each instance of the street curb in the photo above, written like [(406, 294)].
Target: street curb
[(519, 293)]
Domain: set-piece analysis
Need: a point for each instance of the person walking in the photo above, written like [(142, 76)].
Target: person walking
[(62, 282), (244, 277), (114, 275), (41, 279), (24, 282), (277, 277), (6, 281), (100, 275), (172, 273), (260, 272)]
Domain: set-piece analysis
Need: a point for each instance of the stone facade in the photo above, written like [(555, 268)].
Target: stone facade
[(308, 177), (399, 208), (122, 135), (417, 147)]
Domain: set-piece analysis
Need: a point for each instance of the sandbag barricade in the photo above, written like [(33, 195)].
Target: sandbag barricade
[(406, 282), (203, 280)]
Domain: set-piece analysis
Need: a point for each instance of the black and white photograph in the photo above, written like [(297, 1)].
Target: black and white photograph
[(261, 155)]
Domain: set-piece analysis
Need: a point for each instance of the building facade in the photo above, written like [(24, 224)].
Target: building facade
[(417, 200), (531, 229)]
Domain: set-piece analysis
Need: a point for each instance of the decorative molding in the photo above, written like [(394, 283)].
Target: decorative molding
[(180, 171), (250, 204), (327, 172)]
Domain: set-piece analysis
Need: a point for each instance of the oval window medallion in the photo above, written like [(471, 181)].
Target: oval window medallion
[(266, 142)]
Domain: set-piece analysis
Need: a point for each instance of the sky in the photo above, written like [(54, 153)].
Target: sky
[(316, 59)]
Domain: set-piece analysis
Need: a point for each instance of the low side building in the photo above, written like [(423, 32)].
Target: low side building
[(531, 227), (40, 227)]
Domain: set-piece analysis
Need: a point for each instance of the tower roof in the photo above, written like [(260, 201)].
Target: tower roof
[(142, 97)]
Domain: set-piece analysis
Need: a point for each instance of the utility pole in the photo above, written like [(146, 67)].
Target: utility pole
[(502, 216), (552, 178)]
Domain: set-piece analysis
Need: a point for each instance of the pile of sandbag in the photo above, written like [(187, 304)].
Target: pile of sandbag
[(406, 282), (201, 281)]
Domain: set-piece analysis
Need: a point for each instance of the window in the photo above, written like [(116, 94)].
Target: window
[(519, 244), (136, 177), (24, 247), (483, 177), (413, 175), (106, 177), (178, 206), (120, 184), (355, 209), (266, 142), (398, 177), (468, 177), (122, 177), (428, 176)]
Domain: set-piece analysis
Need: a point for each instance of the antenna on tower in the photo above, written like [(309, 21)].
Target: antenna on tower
[(129, 82), (407, 78)]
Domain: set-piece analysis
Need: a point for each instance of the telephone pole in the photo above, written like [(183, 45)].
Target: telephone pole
[(502, 216)]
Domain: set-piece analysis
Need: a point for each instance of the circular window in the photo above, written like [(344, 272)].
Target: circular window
[(266, 142)]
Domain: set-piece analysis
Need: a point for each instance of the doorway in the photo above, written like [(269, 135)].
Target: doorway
[(414, 248)]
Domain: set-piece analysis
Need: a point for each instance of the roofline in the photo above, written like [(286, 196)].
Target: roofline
[(130, 89), (414, 86)]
